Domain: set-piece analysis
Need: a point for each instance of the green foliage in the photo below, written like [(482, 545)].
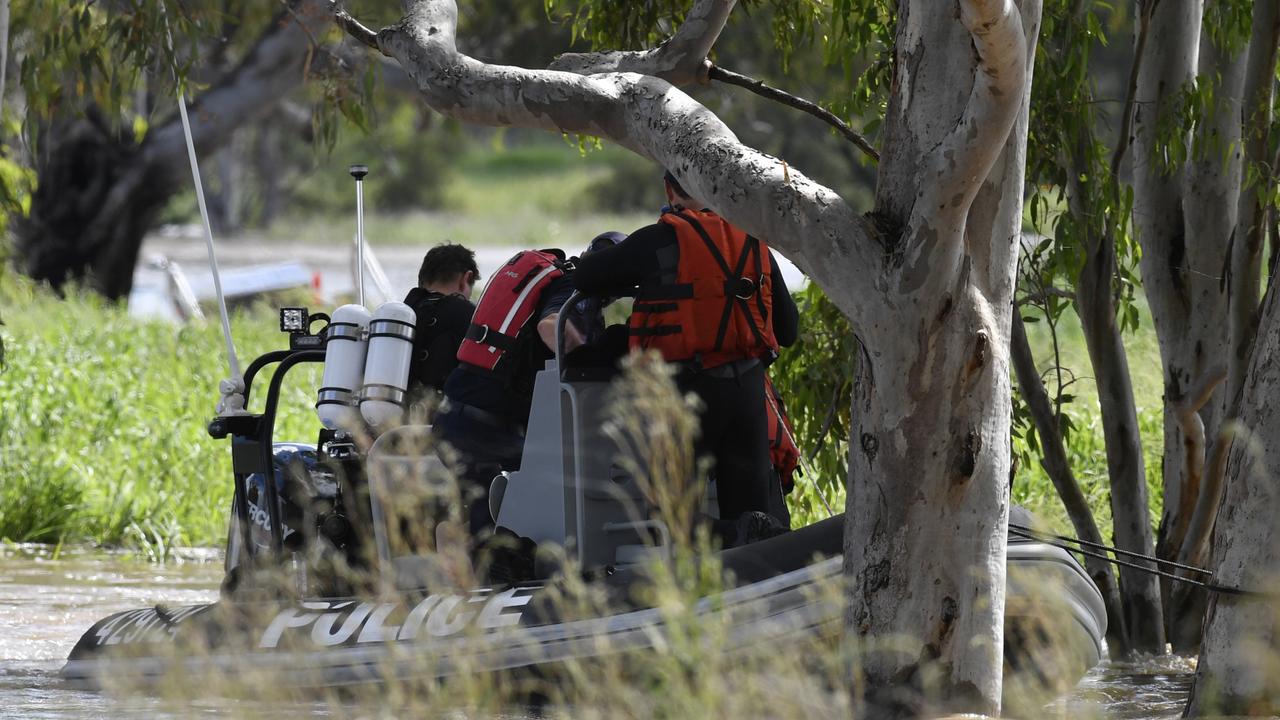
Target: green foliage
[(1228, 23), (814, 378), (102, 423), (639, 25), (1063, 359), (412, 156), (854, 36), (86, 53)]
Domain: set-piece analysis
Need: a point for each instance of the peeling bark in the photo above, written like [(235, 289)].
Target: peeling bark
[(1236, 673), (1184, 220), (938, 367)]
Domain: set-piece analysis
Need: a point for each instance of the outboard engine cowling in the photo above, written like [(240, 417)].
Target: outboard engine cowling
[(386, 370), (346, 346)]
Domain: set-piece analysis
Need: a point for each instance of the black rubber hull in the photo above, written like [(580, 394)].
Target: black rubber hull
[(1054, 625)]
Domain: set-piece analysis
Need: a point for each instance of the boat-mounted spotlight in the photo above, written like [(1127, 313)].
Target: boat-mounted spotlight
[(294, 320), (297, 322)]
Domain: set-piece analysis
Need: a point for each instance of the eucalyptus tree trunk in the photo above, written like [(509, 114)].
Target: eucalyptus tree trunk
[(1125, 464), (1243, 265), (1251, 220), (929, 460), (1056, 465), (1237, 674), (98, 192), (1184, 216), (1211, 186), (928, 284)]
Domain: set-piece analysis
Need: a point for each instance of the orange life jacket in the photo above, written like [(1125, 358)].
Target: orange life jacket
[(711, 304), (783, 452), (507, 304)]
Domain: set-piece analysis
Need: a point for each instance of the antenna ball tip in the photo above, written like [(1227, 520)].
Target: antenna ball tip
[(359, 171)]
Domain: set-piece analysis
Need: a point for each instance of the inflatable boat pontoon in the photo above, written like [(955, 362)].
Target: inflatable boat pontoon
[(570, 493)]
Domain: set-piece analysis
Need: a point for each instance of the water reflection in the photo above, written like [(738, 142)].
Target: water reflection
[(1148, 689)]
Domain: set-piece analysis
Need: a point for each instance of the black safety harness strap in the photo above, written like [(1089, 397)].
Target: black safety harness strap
[(488, 336)]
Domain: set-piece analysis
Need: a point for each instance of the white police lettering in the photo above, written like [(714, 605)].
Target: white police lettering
[(491, 616), (374, 630), (290, 618), (322, 632), (434, 616), (446, 620), (145, 625), (409, 630)]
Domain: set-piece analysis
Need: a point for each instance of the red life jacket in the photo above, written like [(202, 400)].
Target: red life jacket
[(507, 304), (712, 303), (783, 452)]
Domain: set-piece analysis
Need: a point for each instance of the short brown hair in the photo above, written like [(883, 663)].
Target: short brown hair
[(445, 262)]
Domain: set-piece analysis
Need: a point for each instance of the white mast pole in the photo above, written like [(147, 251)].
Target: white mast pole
[(358, 172), (231, 389), (208, 235)]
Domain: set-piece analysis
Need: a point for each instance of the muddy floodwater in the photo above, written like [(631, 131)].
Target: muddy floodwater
[(46, 602)]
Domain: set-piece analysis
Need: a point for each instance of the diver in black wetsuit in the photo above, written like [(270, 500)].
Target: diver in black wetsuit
[(441, 301)]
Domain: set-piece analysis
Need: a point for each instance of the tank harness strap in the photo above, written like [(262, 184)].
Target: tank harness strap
[(737, 288), (753, 247), (644, 304), (656, 330), (486, 335)]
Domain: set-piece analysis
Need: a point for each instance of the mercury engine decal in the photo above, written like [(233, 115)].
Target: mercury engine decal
[(263, 520), (329, 624), (145, 625)]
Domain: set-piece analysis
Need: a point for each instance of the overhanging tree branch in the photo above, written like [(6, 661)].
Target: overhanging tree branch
[(649, 116), (962, 161), (771, 93), (356, 29), (681, 60)]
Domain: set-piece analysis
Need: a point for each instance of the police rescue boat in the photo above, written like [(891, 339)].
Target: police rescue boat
[(302, 513)]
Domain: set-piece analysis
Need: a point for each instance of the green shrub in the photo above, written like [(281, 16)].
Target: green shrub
[(103, 417)]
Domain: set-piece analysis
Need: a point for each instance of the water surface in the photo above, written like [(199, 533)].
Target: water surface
[(47, 602)]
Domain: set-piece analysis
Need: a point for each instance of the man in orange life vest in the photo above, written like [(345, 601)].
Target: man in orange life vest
[(511, 336), (711, 299)]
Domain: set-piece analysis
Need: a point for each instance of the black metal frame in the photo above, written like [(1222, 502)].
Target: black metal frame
[(260, 429)]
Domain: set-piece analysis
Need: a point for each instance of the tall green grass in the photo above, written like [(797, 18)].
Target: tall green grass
[(1086, 450), (102, 422)]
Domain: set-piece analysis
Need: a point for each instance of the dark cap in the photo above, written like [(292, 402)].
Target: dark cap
[(604, 240)]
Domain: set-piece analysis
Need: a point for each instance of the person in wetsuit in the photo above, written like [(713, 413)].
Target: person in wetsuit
[(443, 306), (712, 300)]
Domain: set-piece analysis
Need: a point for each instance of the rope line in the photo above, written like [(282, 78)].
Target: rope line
[(1048, 539)]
